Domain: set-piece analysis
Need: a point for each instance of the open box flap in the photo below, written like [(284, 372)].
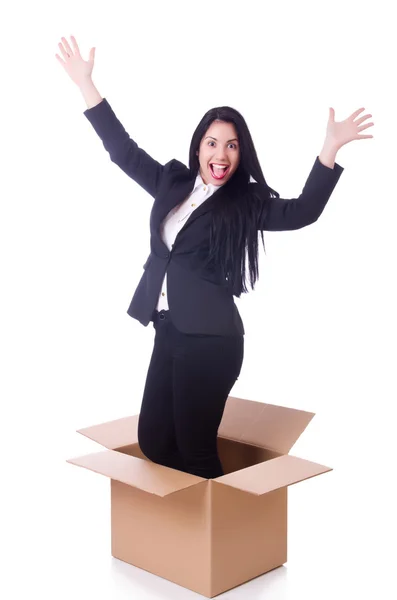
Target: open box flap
[(114, 434), (137, 472), (272, 474), (265, 425)]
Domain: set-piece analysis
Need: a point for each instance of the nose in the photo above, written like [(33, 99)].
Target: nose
[(221, 158)]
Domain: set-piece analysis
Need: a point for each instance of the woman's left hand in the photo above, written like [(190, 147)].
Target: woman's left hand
[(340, 133)]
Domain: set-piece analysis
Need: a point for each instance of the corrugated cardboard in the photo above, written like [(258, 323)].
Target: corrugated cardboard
[(208, 535)]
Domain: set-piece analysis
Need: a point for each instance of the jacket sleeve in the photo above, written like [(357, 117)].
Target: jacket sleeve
[(278, 214), (123, 150)]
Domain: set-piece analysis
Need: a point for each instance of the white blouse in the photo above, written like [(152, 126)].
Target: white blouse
[(176, 219)]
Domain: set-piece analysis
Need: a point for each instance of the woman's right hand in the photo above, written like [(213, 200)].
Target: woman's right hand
[(78, 69)]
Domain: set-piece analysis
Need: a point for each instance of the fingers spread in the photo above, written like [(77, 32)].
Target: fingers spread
[(357, 112)]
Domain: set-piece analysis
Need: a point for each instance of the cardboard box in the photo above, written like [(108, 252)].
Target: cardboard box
[(207, 535)]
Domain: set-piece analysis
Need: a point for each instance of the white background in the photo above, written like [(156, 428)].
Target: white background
[(74, 234)]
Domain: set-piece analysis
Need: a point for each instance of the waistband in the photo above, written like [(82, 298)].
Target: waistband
[(161, 315)]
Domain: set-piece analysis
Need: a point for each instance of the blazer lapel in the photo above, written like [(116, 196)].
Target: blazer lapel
[(178, 193), (205, 207)]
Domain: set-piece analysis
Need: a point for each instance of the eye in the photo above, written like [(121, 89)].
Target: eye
[(234, 145), (211, 142)]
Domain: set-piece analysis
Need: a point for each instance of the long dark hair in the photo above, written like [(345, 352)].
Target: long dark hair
[(234, 227)]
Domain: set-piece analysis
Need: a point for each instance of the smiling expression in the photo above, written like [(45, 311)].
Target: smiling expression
[(219, 153)]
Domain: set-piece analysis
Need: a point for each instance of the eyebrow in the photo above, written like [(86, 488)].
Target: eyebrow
[(210, 136)]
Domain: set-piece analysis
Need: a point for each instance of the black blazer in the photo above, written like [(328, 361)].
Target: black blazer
[(199, 301)]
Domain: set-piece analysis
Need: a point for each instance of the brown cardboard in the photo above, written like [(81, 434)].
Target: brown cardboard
[(208, 535)]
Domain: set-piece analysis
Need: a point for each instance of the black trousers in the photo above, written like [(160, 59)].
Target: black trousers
[(188, 382)]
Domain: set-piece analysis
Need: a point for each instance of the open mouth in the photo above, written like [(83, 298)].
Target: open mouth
[(219, 171)]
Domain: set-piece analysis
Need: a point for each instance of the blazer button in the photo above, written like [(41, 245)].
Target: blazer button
[(167, 255)]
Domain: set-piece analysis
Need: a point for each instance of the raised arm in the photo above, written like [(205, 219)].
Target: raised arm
[(279, 214), (123, 150)]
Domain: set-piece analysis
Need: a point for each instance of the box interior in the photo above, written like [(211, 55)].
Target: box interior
[(234, 455)]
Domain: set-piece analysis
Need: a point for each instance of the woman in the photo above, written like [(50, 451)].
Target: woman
[(204, 225)]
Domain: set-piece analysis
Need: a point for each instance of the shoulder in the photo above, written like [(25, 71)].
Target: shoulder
[(176, 166), (259, 190), (175, 172)]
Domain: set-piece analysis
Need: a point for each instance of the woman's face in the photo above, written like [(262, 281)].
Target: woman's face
[(219, 147)]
